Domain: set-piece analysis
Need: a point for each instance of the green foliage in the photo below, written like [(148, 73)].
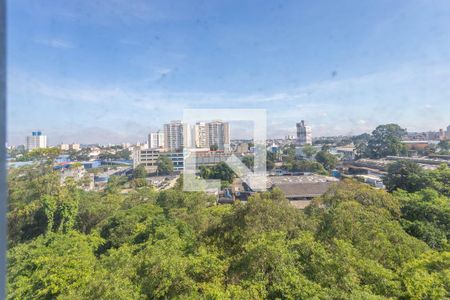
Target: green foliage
[(139, 172), (40, 154), (95, 208), (270, 160), (385, 141), (361, 143), (428, 276), (361, 193), (118, 155), (439, 180), (406, 175), (248, 161), (289, 153), (354, 242), (164, 165), (51, 265), (444, 147), (426, 215), (328, 160), (305, 166), (220, 171), (115, 183), (309, 151)]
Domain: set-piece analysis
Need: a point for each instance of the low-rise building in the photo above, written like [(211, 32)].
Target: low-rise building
[(416, 145), (149, 159), (348, 153), (300, 190)]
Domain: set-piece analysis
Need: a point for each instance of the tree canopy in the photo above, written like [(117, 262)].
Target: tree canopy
[(353, 242), (164, 165)]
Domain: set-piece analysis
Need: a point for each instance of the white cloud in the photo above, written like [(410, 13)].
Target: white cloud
[(344, 106)]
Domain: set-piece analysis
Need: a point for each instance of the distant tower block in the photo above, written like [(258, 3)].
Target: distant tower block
[(304, 134)]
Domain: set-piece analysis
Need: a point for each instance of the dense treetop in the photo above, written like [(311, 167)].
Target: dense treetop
[(354, 242)]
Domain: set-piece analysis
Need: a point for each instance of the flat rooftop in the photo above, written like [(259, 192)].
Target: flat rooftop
[(302, 179)]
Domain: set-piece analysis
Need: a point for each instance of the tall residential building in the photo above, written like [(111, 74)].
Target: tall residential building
[(176, 136), (448, 132), (36, 140), (156, 140), (304, 134), (200, 134), (218, 133), (442, 134)]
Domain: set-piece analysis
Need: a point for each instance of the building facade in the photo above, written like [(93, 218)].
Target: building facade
[(194, 158), (36, 140), (149, 159), (156, 140), (218, 133), (201, 139), (176, 136), (304, 134)]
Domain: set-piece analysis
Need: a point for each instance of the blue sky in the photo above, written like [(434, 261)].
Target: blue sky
[(112, 71)]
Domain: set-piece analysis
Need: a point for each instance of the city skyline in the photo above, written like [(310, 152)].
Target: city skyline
[(156, 139), (121, 73)]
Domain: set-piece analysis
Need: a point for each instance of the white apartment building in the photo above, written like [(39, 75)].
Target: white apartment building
[(201, 139), (304, 134), (176, 136), (156, 140), (149, 159), (36, 140), (218, 133)]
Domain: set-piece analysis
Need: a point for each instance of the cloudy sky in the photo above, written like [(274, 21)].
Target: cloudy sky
[(114, 70)]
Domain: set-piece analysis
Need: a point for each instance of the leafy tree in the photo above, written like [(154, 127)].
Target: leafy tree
[(128, 226), (371, 231), (270, 160), (427, 277), (249, 161), (114, 278), (309, 151), (328, 160), (139, 172), (361, 143), (267, 258), (268, 211), (444, 147), (115, 183), (164, 165), (50, 265), (353, 242), (305, 166), (94, 208), (406, 175), (220, 171), (124, 154), (426, 215), (214, 147), (364, 194), (385, 141), (439, 179), (289, 153)]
